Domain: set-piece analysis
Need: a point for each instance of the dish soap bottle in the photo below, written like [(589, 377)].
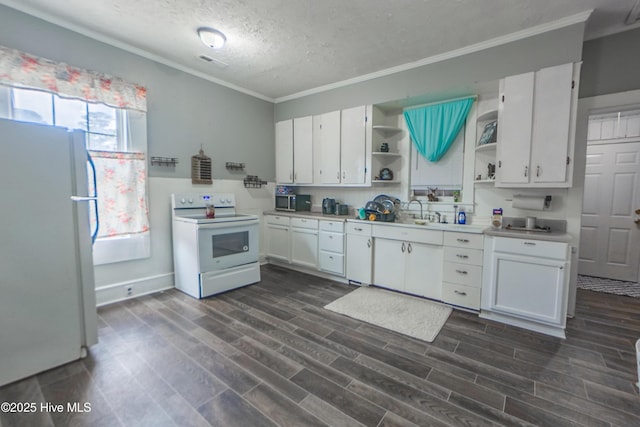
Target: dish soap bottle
[(462, 217)]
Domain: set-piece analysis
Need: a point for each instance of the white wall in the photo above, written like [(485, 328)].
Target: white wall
[(156, 273)]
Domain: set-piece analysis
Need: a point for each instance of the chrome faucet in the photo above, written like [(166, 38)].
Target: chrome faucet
[(438, 215), (419, 202)]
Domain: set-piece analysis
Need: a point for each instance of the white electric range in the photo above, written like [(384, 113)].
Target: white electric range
[(213, 255)]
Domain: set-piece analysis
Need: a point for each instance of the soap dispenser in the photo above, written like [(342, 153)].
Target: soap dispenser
[(462, 217)]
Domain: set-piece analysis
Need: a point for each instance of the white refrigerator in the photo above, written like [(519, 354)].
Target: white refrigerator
[(47, 292)]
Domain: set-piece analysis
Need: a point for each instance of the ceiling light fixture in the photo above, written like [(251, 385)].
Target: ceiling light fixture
[(212, 37)]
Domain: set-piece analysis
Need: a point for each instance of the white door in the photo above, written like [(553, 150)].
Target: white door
[(423, 272), (515, 121), (388, 263), (278, 242), (326, 148), (359, 251), (304, 247), (303, 150), (284, 152), (552, 116), (353, 145), (610, 238)]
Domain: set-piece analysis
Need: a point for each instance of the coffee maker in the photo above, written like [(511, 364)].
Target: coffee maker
[(328, 206)]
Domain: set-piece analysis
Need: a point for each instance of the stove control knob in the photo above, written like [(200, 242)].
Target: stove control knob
[(183, 201), (190, 201), (228, 200)]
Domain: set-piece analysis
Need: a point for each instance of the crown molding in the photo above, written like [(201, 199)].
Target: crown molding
[(519, 35)]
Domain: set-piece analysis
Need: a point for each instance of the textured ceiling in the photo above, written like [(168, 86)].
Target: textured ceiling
[(277, 48)]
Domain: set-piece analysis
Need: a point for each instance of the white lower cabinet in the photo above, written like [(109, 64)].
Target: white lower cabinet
[(359, 253), (462, 269), (527, 283), (304, 242), (277, 230), (409, 265), (331, 247)]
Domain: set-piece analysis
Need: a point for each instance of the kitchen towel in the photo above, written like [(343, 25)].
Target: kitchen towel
[(521, 201)]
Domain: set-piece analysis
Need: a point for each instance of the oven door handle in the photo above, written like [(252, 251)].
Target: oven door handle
[(228, 224)]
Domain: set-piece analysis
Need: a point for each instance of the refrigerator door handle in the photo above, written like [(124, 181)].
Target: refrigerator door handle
[(83, 199), (94, 235)]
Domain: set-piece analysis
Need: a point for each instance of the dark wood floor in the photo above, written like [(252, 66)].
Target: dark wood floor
[(269, 354)]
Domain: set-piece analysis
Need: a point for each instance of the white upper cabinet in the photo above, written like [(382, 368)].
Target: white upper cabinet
[(326, 148), (536, 131), (294, 153), (303, 150), (353, 146), (284, 152)]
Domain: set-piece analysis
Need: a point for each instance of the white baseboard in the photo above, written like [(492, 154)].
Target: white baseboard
[(133, 288)]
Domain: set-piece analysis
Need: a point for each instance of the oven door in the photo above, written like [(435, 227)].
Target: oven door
[(227, 244)]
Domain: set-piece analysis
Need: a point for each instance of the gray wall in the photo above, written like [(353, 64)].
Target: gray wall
[(611, 64), (447, 79), (183, 111)]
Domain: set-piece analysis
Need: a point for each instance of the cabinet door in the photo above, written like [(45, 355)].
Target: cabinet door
[(304, 247), (278, 242), (388, 263), (552, 116), (284, 152), (423, 270), (359, 258), (326, 148), (353, 145), (515, 120), (528, 287), (303, 150)]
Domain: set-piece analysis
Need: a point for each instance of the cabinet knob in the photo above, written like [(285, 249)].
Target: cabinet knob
[(331, 237)]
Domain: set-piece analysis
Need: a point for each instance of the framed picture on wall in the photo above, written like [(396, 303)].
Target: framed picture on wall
[(489, 134)]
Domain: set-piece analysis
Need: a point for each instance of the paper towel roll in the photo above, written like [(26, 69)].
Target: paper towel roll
[(535, 203)]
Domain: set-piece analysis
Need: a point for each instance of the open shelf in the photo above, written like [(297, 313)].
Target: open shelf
[(387, 130), (385, 181), (484, 181), (486, 147), (386, 154)]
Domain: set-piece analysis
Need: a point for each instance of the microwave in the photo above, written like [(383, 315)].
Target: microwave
[(293, 202)]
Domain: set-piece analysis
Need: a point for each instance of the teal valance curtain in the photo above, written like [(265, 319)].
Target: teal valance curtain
[(434, 128)]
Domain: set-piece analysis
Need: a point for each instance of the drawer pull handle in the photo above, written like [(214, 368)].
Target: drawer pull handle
[(369, 243), (464, 294), (462, 256), (463, 240), (461, 272), (409, 248), (403, 247), (528, 243), (357, 228)]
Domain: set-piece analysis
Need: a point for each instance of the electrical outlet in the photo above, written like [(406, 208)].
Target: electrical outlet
[(129, 290)]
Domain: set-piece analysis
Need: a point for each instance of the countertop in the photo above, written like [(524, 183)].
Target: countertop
[(553, 236), (460, 228), (307, 214)]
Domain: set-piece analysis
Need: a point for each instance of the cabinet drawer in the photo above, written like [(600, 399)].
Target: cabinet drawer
[(464, 296), (332, 242), (464, 274), (277, 219), (358, 228), (537, 248), (334, 226), (332, 262), (311, 224), (463, 255), (464, 240), (408, 234)]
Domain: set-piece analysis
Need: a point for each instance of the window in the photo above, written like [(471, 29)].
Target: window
[(116, 139), (105, 126)]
